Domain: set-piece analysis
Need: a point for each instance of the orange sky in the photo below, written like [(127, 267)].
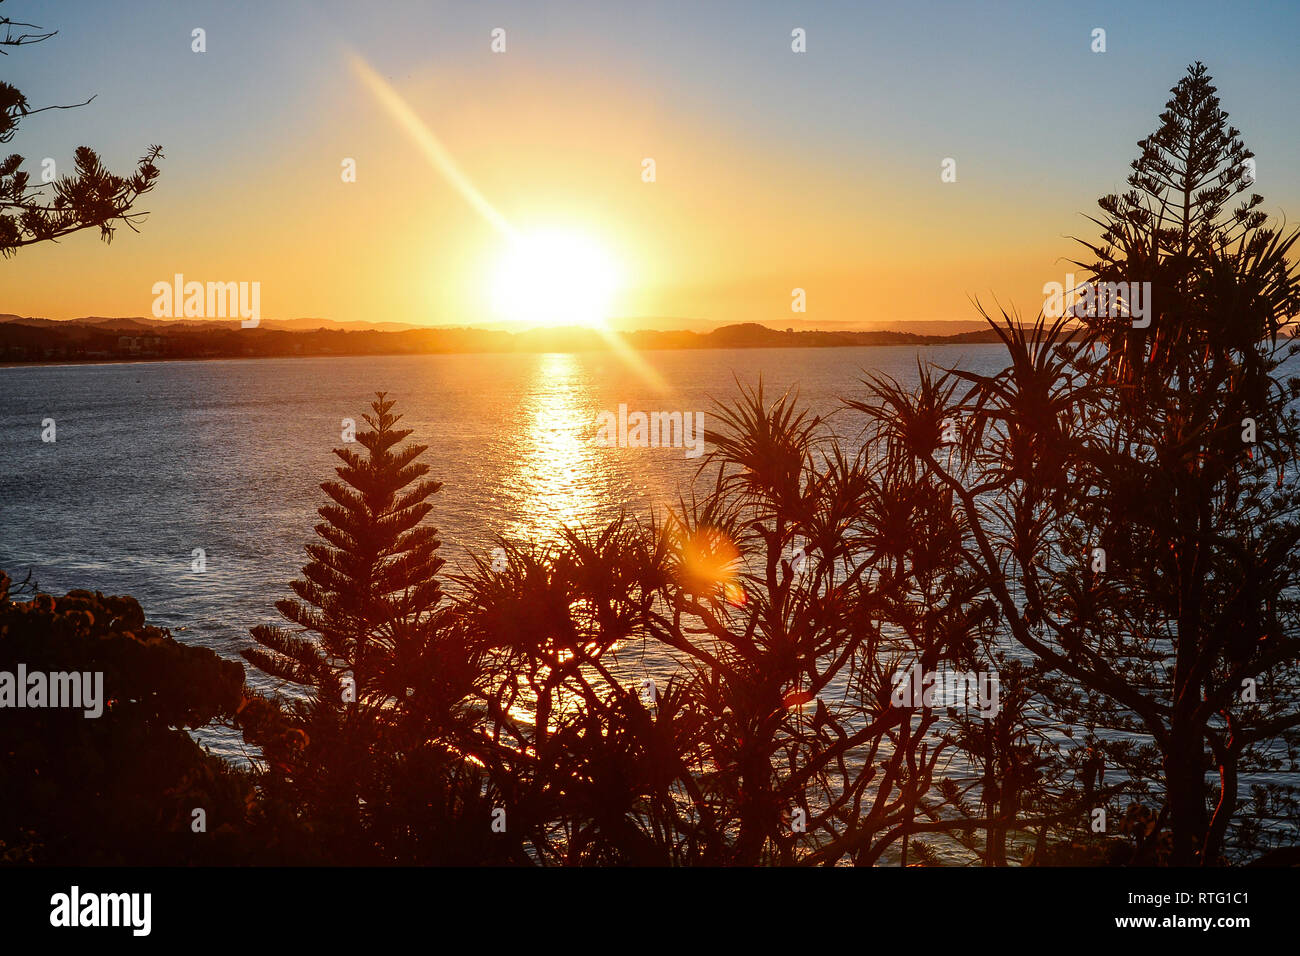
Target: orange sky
[(773, 171), (730, 226)]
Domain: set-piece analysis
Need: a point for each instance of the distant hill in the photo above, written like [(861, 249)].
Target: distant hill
[(96, 338), (142, 322)]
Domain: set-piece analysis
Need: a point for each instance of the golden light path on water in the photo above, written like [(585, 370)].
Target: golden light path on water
[(558, 471), (559, 476)]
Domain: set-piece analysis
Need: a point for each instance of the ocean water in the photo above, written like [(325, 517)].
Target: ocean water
[(154, 460)]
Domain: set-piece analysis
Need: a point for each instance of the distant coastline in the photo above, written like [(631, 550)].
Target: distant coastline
[(104, 341)]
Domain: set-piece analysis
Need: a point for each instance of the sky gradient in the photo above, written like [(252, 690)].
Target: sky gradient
[(775, 170)]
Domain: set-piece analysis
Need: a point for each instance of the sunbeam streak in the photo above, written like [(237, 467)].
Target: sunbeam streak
[(429, 144)]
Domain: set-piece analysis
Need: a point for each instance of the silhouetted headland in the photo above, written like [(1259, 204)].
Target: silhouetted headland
[(37, 341)]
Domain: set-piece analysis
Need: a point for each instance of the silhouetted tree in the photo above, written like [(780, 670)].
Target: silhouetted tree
[(91, 198), (1131, 492), (788, 594), (377, 680), (1207, 418)]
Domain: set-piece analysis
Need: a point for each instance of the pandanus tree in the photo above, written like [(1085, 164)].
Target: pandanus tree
[(773, 738), (590, 766), (917, 435)]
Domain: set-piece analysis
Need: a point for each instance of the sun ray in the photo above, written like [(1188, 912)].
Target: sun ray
[(442, 160), (429, 144)]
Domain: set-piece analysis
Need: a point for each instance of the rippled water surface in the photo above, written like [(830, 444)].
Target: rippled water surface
[(154, 460)]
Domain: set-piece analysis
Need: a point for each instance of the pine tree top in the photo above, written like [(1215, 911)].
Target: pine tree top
[(371, 583)]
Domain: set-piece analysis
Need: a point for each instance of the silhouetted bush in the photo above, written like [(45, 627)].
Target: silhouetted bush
[(121, 787)]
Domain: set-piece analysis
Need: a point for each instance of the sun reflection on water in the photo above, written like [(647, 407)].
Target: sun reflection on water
[(558, 476)]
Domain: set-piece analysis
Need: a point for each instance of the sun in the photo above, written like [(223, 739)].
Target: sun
[(555, 278)]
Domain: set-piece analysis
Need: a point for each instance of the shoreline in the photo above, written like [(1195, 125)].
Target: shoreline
[(156, 359)]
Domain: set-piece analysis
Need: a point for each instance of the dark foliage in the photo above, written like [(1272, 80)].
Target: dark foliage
[(92, 197)]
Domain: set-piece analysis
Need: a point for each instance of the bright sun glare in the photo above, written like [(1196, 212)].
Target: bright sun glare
[(555, 278)]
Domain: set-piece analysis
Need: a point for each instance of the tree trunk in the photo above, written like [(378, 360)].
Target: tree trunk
[(1185, 780)]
